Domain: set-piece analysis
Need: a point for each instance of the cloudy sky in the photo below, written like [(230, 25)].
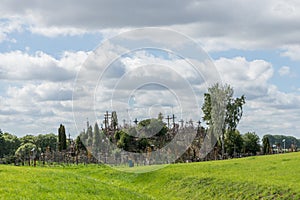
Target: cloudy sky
[(44, 45)]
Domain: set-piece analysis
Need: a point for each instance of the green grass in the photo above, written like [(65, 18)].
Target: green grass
[(261, 177)]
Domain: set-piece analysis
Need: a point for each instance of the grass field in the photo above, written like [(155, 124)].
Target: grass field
[(261, 177)]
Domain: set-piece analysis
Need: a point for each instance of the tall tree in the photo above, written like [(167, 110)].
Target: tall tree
[(221, 111), (266, 145), (114, 120), (62, 138), (89, 133), (97, 139)]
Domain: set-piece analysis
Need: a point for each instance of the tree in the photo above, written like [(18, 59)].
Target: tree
[(221, 111), (123, 141), (251, 143), (10, 144), (2, 143), (89, 133), (289, 140), (79, 146), (23, 152), (151, 127), (114, 120), (62, 138), (43, 141), (233, 142), (28, 139), (160, 116), (96, 139), (266, 145)]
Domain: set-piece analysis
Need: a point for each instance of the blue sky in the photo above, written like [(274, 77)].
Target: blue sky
[(254, 45)]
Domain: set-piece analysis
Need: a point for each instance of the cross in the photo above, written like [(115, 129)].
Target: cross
[(136, 121), (168, 118), (173, 117)]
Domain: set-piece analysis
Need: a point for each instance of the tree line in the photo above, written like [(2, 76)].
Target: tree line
[(221, 112)]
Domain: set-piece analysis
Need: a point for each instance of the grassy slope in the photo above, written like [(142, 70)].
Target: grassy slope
[(265, 177)]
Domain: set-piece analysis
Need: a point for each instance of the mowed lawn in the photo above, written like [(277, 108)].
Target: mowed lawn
[(261, 177)]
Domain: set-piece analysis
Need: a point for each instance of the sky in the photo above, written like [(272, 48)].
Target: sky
[(66, 62)]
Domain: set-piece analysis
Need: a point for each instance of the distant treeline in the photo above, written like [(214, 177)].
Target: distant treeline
[(12, 146), (277, 140)]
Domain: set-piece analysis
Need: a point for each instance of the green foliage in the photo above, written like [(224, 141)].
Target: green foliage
[(97, 139), (114, 120), (124, 140), (89, 134), (23, 151), (221, 111), (277, 139), (79, 144), (233, 142), (62, 139), (9, 144), (2, 143), (143, 143), (160, 116), (251, 143), (43, 141), (233, 107), (266, 145), (234, 112), (263, 177), (206, 108), (28, 139), (151, 127)]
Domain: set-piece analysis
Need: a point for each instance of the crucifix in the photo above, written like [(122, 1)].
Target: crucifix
[(168, 118)]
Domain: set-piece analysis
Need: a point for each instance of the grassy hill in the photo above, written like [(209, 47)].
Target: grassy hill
[(262, 177)]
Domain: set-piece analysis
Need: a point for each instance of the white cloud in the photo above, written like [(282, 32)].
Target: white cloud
[(37, 90), (284, 71), (38, 87), (38, 104), (292, 51), (247, 77), (267, 110), (7, 26), (217, 25), (17, 65)]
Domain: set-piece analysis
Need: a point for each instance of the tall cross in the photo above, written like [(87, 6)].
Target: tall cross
[(168, 118), (173, 117)]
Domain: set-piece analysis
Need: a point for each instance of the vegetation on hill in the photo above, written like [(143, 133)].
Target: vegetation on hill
[(261, 177)]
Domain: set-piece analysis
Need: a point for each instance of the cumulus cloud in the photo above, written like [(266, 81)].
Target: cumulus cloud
[(267, 110), (284, 71), (17, 65), (7, 26), (40, 85), (247, 77), (217, 25), (37, 90), (292, 51)]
